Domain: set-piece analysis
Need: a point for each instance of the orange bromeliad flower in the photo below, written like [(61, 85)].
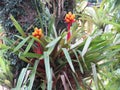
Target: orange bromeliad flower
[(37, 33), (69, 19)]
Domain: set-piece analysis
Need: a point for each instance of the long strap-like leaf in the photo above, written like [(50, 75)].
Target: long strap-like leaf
[(17, 26)]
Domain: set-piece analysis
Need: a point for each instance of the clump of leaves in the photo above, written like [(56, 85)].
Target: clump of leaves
[(6, 76)]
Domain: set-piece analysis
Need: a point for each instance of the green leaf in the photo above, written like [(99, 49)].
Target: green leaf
[(82, 6), (80, 66), (24, 59), (17, 26), (112, 23), (77, 83), (32, 76), (54, 42), (3, 46), (21, 78), (8, 41), (29, 46), (2, 64), (43, 86), (51, 27), (91, 12), (86, 46), (95, 75), (20, 37), (38, 12), (48, 71), (82, 57), (30, 55), (117, 39), (52, 45), (21, 44), (98, 46), (50, 49), (68, 59), (7, 82)]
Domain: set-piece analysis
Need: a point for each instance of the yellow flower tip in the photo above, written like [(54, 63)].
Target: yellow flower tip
[(73, 15), (37, 33), (40, 33), (69, 13), (40, 30), (33, 34), (35, 28)]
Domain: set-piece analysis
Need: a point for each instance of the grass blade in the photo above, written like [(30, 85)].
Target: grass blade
[(51, 27), (55, 31), (25, 59), (29, 46), (53, 42), (50, 49), (39, 14), (86, 46), (20, 37), (68, 59), (21, 44), (30, 55), (76, 81), (82, 58), (2, 64), (48, 71), (21, 78), (17, 26), (32, 76), (80, 66), (95, 75)]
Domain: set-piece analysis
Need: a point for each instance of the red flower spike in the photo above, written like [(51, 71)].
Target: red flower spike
[(69, 19), (38, 48)]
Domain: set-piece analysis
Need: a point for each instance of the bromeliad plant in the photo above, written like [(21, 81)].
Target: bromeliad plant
[(51, 54), (66, 64)]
